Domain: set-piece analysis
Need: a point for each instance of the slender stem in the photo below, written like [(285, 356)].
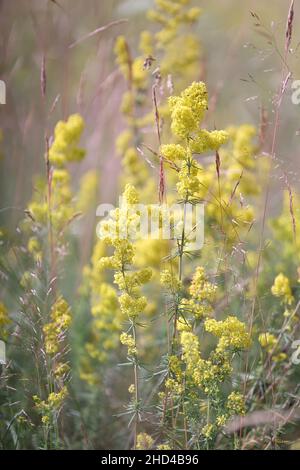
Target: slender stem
[(136, 388), (135, 367), (208, 421)]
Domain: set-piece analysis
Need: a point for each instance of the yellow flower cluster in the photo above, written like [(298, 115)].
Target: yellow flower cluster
[(164, 447), (209, 374), (171, 15), (189, 185), (124, 141), (188, 109), (129, 341), (174, 386), (144, 441), (173, 152), (206, 374), (132, 70), (87, 195), (281, 288), (221, 420), (135, 168), (190, 349), (61, 369), (47, 408), (146, 43), (187, 113), (130, 194), (283, 232), (34, 247), (202, 293), (56, 203), (206, 140), (208, 431), (169, 280), (132, 303), (243, 148), (175, 367), (151, 253), (122, 56), (38, 206), (200, 288), (131, 280), (107, 317), (106, 323), (131, 389), (65, 145), (270, 343), (132, 306), (123, 254), (236, 404), (4, 321), (267, 340), (231, 332), (120, 229), (56, 329)]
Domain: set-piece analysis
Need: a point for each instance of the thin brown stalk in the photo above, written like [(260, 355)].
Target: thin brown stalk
[(162, 183), (289, 27), (43, 77), (97, 31), (291, 205)]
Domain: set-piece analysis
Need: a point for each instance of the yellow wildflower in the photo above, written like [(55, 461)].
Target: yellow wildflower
[(232, 333), (173, 152), (267, 340), (4, 320), (65, 145), (236, 404), (188, 109), (60, 321), (144, 441), (282, 288), (128, 340)]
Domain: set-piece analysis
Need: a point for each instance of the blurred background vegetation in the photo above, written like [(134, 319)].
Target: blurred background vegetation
[(241, 66)]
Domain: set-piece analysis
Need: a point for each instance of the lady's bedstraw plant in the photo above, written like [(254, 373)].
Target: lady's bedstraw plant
[(119, 232), (50, 212), (194, 384)]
